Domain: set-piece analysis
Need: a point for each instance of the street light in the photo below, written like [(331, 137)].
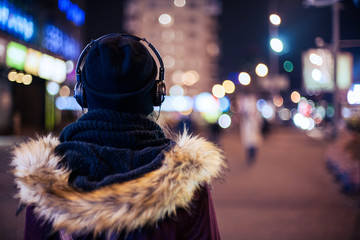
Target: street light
[(244, 78), (218, 91), (261, 70), (295, 97), (276, 45), (275, 19), (228, 86), (165, 19)]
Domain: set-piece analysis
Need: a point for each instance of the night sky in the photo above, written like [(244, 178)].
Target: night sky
[(244, 31)]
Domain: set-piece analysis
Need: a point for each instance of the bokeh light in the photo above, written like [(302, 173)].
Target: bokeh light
[(179, 3), (228, 86), (165, 19), (275, 19), (284, 114), (316, 74), (353, 95), (346, 112), (218, 91), (276, 45), (278, 100), (303, 122), (224, 121), (330, 111), (211, 117), (304, 107), (19, 78), (316, 59), (12, 76), (176, 76), (260, 104), (69, 66), (52, 88), (67, 103), (288, 66), (206, 102), (176, 90), (295, 96), (261, 70), (244, 78), (180, 103), (224, 104), (189, 78), (27, 79), (64, 91), (267, 112), (321, 111)]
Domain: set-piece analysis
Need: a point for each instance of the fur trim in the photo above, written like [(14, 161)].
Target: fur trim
[(191, 163)]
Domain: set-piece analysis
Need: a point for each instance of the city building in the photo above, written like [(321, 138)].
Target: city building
[(39, 45), (186, 35)]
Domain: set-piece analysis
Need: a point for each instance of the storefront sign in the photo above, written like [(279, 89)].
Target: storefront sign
[(318, 70), (72, 11), (15, 22), (51, 68), (16, 55), (32, 62), (60, 43)]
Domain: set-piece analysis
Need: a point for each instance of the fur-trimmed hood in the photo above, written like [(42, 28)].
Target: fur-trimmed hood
[(190, 163)]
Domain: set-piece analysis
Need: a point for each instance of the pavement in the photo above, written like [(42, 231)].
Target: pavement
[(286, 194), (11, 227)]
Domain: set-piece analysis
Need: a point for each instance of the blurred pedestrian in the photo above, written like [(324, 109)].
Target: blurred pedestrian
[(214, 132), (250, 125), (186, 124), (113, 174)]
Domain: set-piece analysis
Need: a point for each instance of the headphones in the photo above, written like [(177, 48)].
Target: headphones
[(159, 88)]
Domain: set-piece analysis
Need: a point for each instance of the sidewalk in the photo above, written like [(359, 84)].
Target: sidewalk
[(8, 141), (287, 194)]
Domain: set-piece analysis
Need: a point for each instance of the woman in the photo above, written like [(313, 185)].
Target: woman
[(113, 174)]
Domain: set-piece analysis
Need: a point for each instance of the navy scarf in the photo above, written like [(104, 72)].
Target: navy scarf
[(104, 147)]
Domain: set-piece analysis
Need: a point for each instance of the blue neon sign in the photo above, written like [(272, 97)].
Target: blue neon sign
[(60, 43), (13, 21), (72, 11)]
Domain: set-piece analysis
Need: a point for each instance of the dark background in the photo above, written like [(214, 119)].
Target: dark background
[(244, 31)]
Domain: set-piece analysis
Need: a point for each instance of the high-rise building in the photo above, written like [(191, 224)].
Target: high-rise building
[(186, 35)]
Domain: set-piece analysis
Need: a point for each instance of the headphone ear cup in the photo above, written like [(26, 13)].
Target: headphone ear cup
[(159, 93), (79, 95)]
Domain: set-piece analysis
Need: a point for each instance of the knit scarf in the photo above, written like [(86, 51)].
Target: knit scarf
[(105, 147)]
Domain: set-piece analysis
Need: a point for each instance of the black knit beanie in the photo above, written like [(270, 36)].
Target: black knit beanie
[(119, 74)]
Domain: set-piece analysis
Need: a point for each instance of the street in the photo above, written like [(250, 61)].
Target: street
[(287, 194)]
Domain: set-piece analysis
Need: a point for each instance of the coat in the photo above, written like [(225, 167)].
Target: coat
[(172, 202)]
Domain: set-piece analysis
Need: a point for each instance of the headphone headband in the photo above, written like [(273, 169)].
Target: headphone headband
[(89, 45), (159, 85)]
